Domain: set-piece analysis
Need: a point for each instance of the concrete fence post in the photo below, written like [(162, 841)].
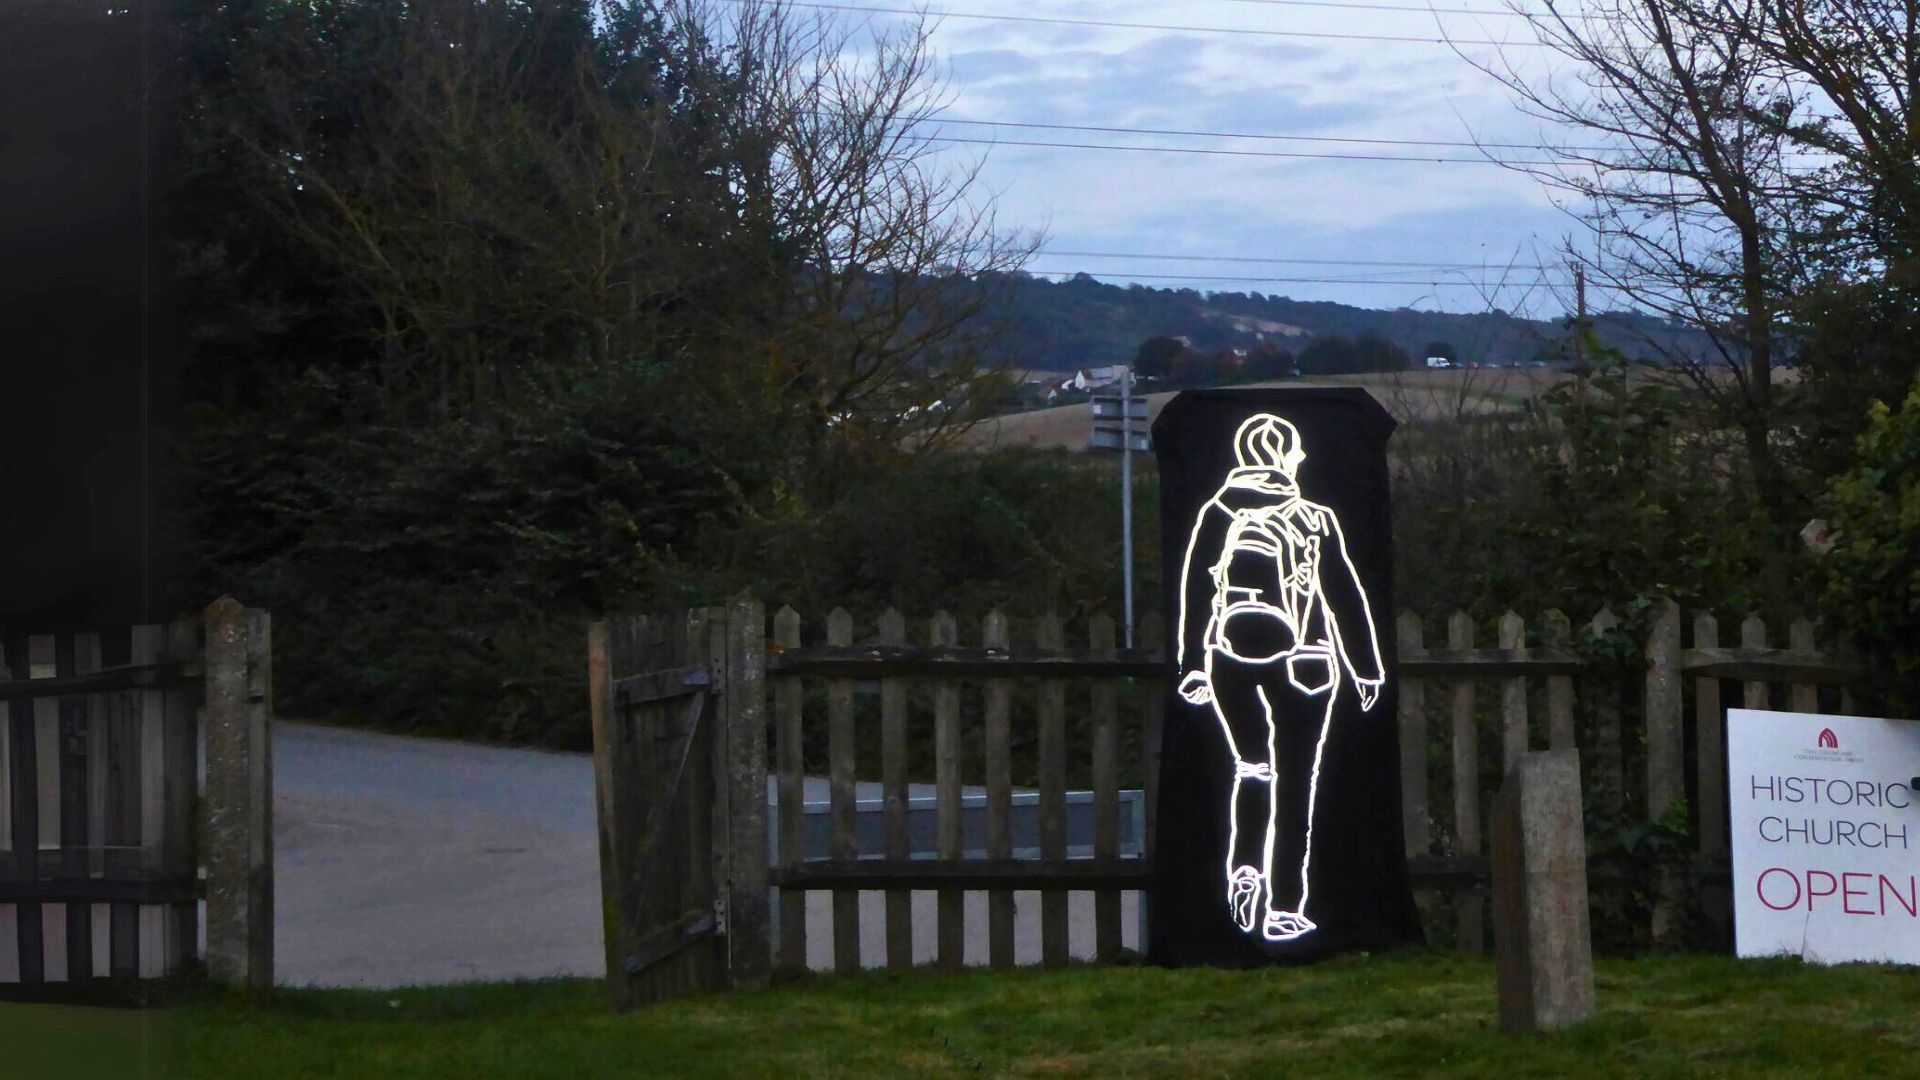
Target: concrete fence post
[(1543, 951), (239, 795)]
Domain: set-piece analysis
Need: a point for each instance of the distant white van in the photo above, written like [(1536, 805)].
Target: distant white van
[(1439, 362)]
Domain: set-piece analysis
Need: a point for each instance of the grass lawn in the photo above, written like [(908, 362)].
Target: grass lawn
[(1407, 1014)]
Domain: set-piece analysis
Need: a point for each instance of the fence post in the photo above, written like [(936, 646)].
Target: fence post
[(893, 786), (181, 793), (1666, 751), (1469, 908), (787, 736), (1416, 820), (239, 832), (749, 941), (1513, 693)]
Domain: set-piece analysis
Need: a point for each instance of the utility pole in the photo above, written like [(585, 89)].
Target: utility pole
[(1126, 499)]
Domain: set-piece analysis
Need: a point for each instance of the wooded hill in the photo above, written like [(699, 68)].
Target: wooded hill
[(1081, 322)]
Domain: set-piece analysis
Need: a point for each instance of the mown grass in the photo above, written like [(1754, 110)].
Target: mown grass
[(1424, 1014)]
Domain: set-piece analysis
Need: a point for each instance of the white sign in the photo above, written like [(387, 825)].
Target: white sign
[(1826, 836)]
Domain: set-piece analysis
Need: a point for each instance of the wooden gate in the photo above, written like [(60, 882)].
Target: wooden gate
[(679, 752)]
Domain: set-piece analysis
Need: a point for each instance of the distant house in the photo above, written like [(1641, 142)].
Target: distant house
[(1098, 377)]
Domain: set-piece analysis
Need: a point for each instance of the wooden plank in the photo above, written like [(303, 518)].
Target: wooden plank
[(713, 848), (180, 794), (1760, 664), (608, 779), (1106, 791), (893, 779), (23, 746), (1753, 635), (1469, 929), (1665, 726), (950, 914), (874, 662), (999, 754), (1666, 755), (149, 646), (1416, 821), (1050, 876), (1054, 950), (77, 654), (788, 736), (840, 767), (126, 798), (1609, 772), (1555, 633), (1710, 746), (1151, 633), (1513, 694), (1804, 696)]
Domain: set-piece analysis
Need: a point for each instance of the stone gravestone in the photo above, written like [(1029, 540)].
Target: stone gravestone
[(1542, 947), (1278, 825)]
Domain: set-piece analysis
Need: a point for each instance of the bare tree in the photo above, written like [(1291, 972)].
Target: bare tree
[(1681, 182)]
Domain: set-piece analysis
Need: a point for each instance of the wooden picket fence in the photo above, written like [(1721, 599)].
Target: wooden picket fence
[(101, 810), (1013, 706)]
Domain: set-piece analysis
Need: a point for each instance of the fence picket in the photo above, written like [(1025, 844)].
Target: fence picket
[(950, 918), (1106, 789), (787, 734), (1709, 750), (840, 767), (1416, 819), (1753, 635), (1513, 693), (1666, 754), (999, 753), (1608, 769), (1469, 930), (1048, 636), (1805, 697), (893, 778), (1556, 633)]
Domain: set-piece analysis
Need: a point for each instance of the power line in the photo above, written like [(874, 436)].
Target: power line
[(1420, 9), (1114, 130), (1230, 153), (1111, 24), (1290, 280), (1292, 262)]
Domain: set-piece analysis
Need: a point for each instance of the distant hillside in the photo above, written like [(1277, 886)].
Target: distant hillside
[(1066, 325)]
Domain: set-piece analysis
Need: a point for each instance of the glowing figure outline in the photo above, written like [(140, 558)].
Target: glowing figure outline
[(1258, 517)]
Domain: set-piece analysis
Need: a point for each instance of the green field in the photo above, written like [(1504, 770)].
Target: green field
[(1410, 1014)]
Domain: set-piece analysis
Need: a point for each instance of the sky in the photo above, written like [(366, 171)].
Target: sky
[(1236, 67)]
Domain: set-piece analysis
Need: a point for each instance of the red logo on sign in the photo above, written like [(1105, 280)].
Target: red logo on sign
[(1828, 740)]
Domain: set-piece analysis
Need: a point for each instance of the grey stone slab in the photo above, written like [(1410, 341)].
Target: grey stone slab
[(1542, 945)]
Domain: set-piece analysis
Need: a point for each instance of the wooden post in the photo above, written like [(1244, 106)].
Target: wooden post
[(239, 821), (999, 748), (180, 796), (950, 926), (893, 777), (1556, 632), (610, 801), (1469, 923), (1666, 753), (1513, 693), (1804, 696), (749, 952), (1609, 773), (80, 749), (1106, 790), (1416, 819), (1049, 637), (1753, 635), (787, 739), (840, 767), (1710, 745)]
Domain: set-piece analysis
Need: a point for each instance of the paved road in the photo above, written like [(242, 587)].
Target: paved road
[(403, 860)]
